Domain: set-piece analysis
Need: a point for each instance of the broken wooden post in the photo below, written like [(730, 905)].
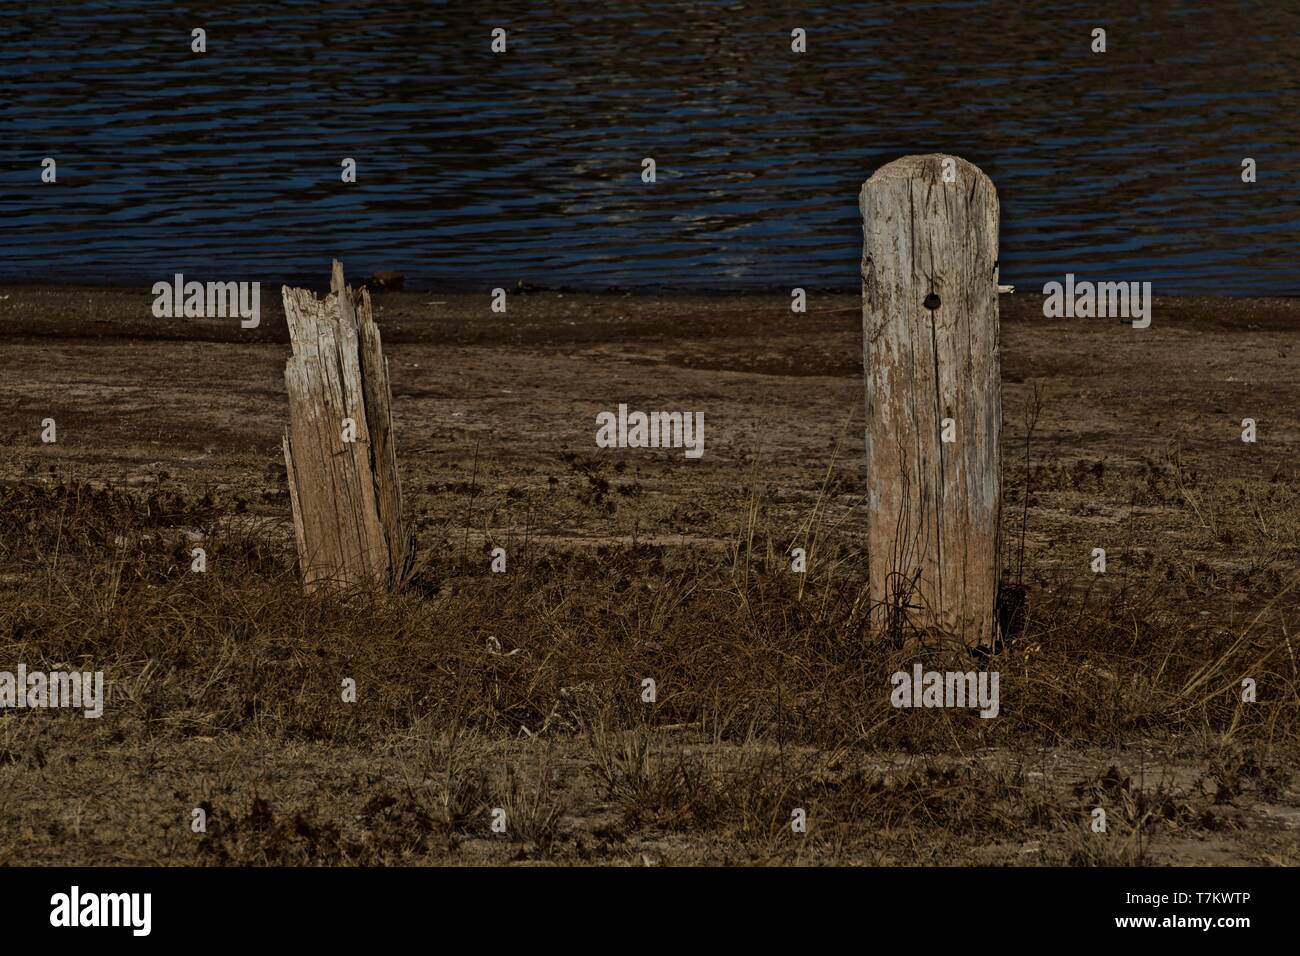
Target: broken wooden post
[(934, 401), (339, 451)]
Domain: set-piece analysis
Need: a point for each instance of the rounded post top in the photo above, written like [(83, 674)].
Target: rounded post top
[(929, 165), (930, 169)]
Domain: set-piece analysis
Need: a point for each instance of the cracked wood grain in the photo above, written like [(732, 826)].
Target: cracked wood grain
[(346, 498), (930, 341)]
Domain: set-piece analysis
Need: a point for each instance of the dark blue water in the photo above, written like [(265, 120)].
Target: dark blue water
[(481, 170)]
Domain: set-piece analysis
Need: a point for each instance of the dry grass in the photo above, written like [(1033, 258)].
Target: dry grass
[(523, 691)]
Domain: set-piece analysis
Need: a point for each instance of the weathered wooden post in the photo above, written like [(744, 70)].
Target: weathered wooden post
[(934, 401), (339, 451)]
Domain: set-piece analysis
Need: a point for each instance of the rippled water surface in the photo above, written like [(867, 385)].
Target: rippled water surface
[(483, 169)]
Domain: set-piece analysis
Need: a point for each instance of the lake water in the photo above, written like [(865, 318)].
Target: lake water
[(478, 170)]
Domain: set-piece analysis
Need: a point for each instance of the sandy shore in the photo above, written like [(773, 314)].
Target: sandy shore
[(203, 400)]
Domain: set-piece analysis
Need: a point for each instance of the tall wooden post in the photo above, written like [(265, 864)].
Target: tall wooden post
[(934, 401), (339, 451)]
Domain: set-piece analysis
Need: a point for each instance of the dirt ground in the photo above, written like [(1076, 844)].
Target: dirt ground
[(522, 691)]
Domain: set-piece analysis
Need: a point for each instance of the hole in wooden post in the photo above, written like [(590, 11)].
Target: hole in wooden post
[(931, 302)]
